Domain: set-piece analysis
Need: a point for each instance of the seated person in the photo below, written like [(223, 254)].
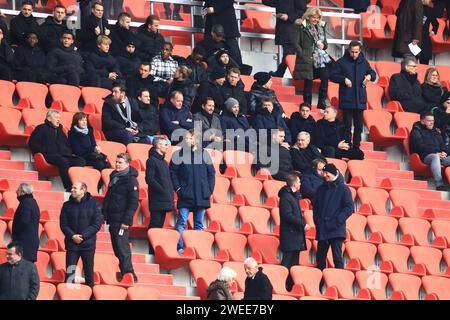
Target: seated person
[(209, 124), (128, 60), (442, 116), (222, 60), (163, 67), (433, 91), (233, 87), (232, 119), (405, 88), (194, 62), (50, 140), (151, 41), (22, 24), (312, 178), (143, 79), (302, 121), (426, 140), (121, 34), (267, 119), (173, 116), (52, 29), (146, 115), (6, 59), (182, 83), (210, 88), (102, 68), (117, 122), (331, 139), (66, 63), (261, 88), (303, 152), (284, 156), (214, 42), (82, 141), (96, 25)]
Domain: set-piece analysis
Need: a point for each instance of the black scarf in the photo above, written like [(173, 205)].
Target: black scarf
[(208, 116), (412, 78)]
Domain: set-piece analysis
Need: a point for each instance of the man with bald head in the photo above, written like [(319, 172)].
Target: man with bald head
[(80, 220)]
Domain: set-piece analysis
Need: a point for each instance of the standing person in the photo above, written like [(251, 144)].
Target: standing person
[(193, 179), (292, 225), (116, 5), (357, 5), (52, 29), (120, 203), (80, 220), (312, 178), (332, 206), (312, 60), (6, 59), (284, 167), (429, 17), (257, 284), (151, 41), (219, 289), (352, 72), (19, 279), (408, 28), (160, 188), (95, 26), (85, 11), (222, 12), (287, 11), (26, 222), (22, 24)]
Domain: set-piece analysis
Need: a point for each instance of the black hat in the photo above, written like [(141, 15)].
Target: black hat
[(331, 168), (218, 30), (221, 52), (218, 73), (130, 41), (262, 77)]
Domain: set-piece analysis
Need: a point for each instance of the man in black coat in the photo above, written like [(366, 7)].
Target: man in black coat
[(267, 119), (6, 59), (50, 140), (208, 123), (352, 72), (120, 204), (52, 29), (261, 89), (128, 59), (160, 188), (405, 88), (143, 79), (292, 225), (194, 62), (234, 88), (173, 117), (213, 42), (358, 5), (211, 88), (302, 121), (332, 206), (95, 26), (284, 160), (303, 152), (257, 284), (65, 62), (22, 24), (80, 220), (427, 141), (121, 34), (331, 137), (151, 41), (19, 279), (146, 116), (26, 222), (4, 28), (312, 178)]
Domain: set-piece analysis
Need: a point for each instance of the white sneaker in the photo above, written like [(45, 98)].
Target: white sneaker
[(180, 252)]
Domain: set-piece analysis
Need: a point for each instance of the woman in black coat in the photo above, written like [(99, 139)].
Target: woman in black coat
[(25, 230), (408, 27), (429, 15), (433, 91)]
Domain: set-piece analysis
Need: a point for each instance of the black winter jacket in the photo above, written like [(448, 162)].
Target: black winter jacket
[(311, 181), (27, 58), (147, 118), (199, 73), (329, 134), (49, 140), (236, 92), (128, 63), (111, 119), (160, 188), (50, 33), (87, 33), (19, 281), (20, 26), (82, 144), (135, 83), (301, 158), (267, 121), (298, 124), (61, 60), (211, 89), (258, 288), (102, 63), (424, 141), (119, 38), (150, 43), (406, 89), (257, 93)]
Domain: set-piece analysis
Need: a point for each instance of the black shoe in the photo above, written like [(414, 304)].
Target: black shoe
[(135, 278), (177, 17), (442, 188)]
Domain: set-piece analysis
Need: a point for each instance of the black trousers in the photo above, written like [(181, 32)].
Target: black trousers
[(336, 249), (323, 75), (355, 117), (63, 164), (116, 6), (290, 258), (287, 49), (121, 247), (352, 154), (235, 51), (87, 257), (6, 73), (157, 219)]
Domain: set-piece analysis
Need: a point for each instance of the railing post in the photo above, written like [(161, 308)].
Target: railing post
[(343, 31), (152, 8), (192, 25)]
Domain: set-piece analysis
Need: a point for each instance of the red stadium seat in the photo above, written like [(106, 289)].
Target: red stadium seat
[(417, 229), (395, 259), (139, 154), (182, 51), (340, 285), (204, 272), (106, 267), (356, 227), (405, 286), (224, 216), (441, 230), (415, 163), (65, 97), (9, 128), (277, 276), (373, 201), (272, 187), (308, 278), (385, 70), (233, 243), (437, 288), (361, 254), (374, 96), (221, 196), (93, 99), (217, 160), (363, 173), (250, 189), (430, 258), (106, 292), (261, 20), (90, 177), (2, 233), (66, 120), (7, 89), (373, 281), (385, 229), (69, 291), (111, 149), (201, 242), (53, 231), (241, 275), (45, 168), (340, 164), (406, 203), (240, 161), (390, 6), (264, 248), (33, 117), (406, 120), (46, 291), (143, 293), (258, 218), (35, 93), (378, 122)]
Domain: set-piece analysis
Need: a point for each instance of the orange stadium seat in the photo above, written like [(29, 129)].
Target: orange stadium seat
[(363, 173), (390, 6), (2, 233), (437, 288), (9, 128), (204, 272), (361, 255), (395, 259), (93, 99), (143, 293), (45, 168), (65, 97), (233, 243), (444, 75), (111, 149), (305, 256), (90, 177), (308, 278), (261, 20), (272, 187), (374, 96), (406, 120), (385, 229), (241, 275), (378, 122), (46, 291), (53, 231), (250, 189), (182, 51), (339, 285), (106, 292), (7, 89), (258, 218), (373, 201), (221, 195), (66, 120), (406, 203), (373, 281), (277, 275), (356, 228), (33, 117), (106, 267), (35, 93), (264, 248), (201, 242), (385, 70), (139, 154), (430, 258), (441, 230), (340, 164), (415, 163), (417, 230), (405, 286), (240, 161), (224, 216), (69, 291)]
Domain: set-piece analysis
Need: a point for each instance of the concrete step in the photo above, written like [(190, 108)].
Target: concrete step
[(289, 98), (283, 90), (19, 174), (154, 278), (366, 146), (406, 184), (50, 205), (375, 155), (40, 195), (165, 289), (138, 258), (103, 236), (5, 154), (146, 267), (383, 164), (399, 174), (9, 164), (172, 297), (12, 184)]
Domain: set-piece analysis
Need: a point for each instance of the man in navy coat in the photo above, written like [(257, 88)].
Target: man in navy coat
[(332, 206)]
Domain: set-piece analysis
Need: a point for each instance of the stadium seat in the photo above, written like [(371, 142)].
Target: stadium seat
[(201, 242), (90, 177), (277, 275), (204, 272), (66, 120), (444, 75), (220, 193), (417, 229), (404, 286), (43, 167), (69, 291), (225, 215), (361, 255), (439, 43), (406, 204), (415, 163), (340, 285), (93, 99), (233, 243), (106, 267), (262, 21), (385, 70), (164, 242), (378, 122), (390, 6), (240, 161), (271, 189), (33, 117), (437, 288), (374, 96), (9, 128), (111, 149), (250, 189), (374, 281), (363, 174), (35, 93), (395, 259), (95, 120), (258, 218), (2, 233), (65, 97), (373, 201), (139, 153), (356, 228), (384, 228), (406, 120), (441, 230), (7, 89), (340, 164), (217, 160), (308, 278), (143, 293), (182, 51), (46, 291), (430, 258), (264, 248), (106, 292), (306, 256), (53, 231)]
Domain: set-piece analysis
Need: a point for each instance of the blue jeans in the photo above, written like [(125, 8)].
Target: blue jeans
[(435, 162), (183, 214)]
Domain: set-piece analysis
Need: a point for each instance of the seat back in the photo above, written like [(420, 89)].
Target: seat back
[(277, 276), (397, 254), (406, 119), (408, 284), (143, 293), (380, 119), (234, 243), (35, 92), (309, 277), (387, 226), (419, 228), (364, 169), (430, 257), (356, 225), (201, 241), (266, 245), (250, 188), (220, 193), (409, 200), (340, 164), (182, 51), (53, 231), (67, 95), (46, 291), (69, 291), (89, 176), (438, 286), (341, 279), (257, 217), (239, 160), (204, 272), (33, 117), (225, 214), (376, 197), (111, 149), (363, 251), (106, 292), (7, 89), (241, 275), (441, 228), (374, 281), (272, 187), (9, 120), (95, 96)]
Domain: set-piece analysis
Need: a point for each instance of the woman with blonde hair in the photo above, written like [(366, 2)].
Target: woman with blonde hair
[(312, 60), (219, 289), (433, 91)]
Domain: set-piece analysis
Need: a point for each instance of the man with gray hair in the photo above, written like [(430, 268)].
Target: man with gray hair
[(257, 284), (50, 140), (26, 222), (80, 220), (303, 152)]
